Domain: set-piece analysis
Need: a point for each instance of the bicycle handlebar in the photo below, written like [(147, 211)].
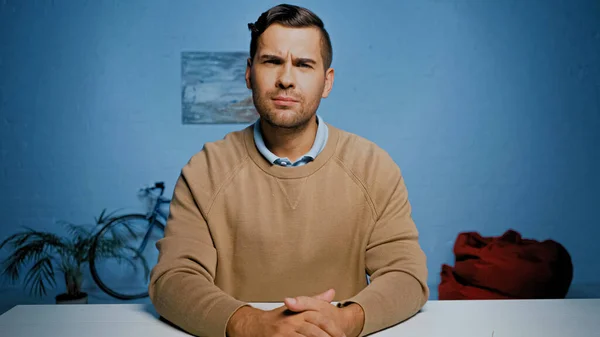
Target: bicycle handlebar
[(159, 185)]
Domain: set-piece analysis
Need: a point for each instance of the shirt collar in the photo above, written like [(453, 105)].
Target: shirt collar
[(318, 145)]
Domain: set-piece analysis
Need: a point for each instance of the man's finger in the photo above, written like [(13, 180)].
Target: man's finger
[(324, 323), (303, 303), (326, 296), (310, 330)]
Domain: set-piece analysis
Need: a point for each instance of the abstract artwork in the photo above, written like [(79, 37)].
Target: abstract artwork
[(213, 88)]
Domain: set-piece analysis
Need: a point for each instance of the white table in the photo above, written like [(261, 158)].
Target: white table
[(544, 318)]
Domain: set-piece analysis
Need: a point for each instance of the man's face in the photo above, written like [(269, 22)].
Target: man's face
[(287, 76)]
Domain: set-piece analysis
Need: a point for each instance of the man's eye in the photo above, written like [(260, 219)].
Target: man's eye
[(304, 65), (272, 61)]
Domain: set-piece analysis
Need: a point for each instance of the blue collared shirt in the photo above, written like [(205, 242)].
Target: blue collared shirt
[(318, 146)]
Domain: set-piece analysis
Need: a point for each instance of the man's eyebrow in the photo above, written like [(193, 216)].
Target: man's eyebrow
[(269, 57), (305, 60), (296, 60)]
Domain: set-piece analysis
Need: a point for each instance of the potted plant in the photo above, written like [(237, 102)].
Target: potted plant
[(46, 253)]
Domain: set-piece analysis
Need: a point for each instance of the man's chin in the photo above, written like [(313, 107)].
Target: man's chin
[(285, 120), (285, 123)]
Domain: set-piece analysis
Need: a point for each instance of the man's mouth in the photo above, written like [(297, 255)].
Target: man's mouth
[(284, 100)]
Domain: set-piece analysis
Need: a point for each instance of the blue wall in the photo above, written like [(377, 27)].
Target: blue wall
[(491, 108)]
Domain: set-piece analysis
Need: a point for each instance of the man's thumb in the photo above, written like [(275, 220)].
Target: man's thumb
[(326, 296)]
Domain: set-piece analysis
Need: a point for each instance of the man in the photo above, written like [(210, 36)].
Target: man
[(289, 209)]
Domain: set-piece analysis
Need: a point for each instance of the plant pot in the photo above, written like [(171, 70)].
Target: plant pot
[(65, 298)]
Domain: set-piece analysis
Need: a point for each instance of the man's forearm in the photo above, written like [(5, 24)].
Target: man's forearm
[(388, 300), (184, 298)]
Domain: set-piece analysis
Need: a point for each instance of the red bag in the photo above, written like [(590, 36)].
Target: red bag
[(506, 267)]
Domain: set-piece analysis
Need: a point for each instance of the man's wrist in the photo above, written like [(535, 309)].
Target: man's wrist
[(238, 321), (355, 319)]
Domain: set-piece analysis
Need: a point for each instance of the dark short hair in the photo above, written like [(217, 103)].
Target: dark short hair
[(291, 16)]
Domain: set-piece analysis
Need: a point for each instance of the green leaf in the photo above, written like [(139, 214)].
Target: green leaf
[(38, 275), (78, 232), (103, 219), (11, 239), (20, 257)]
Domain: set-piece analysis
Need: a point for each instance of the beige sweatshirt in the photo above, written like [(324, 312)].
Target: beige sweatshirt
[(242, 230)]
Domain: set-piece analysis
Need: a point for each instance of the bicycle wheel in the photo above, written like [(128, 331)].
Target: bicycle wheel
[(123, 253)]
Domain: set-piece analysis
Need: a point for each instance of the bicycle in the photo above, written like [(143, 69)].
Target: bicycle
[(140, 231)]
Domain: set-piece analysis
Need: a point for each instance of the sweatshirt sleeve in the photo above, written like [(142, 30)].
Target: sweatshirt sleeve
[(182, 287), (394, 260)]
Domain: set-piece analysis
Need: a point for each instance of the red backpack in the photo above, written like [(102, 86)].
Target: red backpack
[(506, 267)]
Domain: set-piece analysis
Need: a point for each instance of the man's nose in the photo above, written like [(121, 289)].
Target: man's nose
[(286, 77)]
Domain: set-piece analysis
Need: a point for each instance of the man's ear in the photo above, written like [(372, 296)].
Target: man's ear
[(248, 70), (329, 77)]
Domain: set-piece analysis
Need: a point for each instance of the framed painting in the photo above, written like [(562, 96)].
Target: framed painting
[(213, 88)]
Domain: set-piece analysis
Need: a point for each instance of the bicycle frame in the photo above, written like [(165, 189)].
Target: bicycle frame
[(156, 216), (157, 213)]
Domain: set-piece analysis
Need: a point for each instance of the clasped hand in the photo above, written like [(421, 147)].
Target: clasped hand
[(300, 316)]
